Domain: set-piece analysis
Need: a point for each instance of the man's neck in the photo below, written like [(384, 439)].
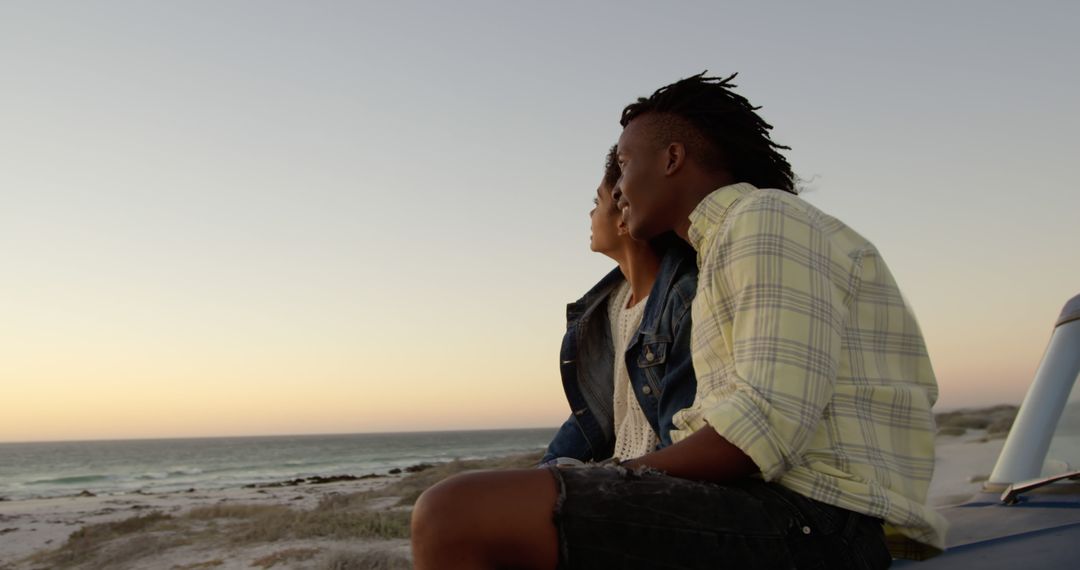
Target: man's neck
[(682, 228), (692, 196)]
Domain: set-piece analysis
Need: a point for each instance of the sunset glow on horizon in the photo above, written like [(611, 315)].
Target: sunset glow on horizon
[(281, 218)]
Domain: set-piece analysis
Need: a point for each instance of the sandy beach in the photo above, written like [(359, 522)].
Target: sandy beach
[(348, 524), (38, 525), (962, 464)]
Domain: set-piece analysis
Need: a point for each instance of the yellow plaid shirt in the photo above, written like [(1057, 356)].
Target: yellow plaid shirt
[(810, 362)]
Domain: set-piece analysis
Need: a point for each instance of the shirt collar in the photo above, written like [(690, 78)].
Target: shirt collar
[(712, 210)]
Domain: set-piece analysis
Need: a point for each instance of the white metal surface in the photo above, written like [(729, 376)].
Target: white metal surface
[(1029, 439)]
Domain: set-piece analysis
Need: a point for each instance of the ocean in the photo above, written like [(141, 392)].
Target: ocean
[(29, 470)]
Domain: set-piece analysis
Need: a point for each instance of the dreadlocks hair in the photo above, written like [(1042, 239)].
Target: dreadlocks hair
[(612, 172), (719, 128)]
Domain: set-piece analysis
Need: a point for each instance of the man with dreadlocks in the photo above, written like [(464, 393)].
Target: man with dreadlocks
[(810, 441)]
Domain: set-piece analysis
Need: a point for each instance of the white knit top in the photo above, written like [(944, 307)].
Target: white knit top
[(634, 436)]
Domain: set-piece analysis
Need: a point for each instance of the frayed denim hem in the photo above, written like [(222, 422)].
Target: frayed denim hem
[(623, 473), (557, 515)]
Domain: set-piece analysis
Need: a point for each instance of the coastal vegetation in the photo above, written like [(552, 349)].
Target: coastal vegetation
[(367, 529), (995, 420), (342, 531)]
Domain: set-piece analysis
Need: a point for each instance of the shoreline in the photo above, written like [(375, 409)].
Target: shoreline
[(41, 527), (314, 523), (90, 491)]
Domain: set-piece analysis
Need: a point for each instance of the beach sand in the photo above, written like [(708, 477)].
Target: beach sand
[(962, 464), (34, 525), (338, 535)]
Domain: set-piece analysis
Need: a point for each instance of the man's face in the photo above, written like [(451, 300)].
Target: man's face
[(644, 194)]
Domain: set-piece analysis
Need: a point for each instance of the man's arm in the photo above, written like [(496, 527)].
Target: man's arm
[(767, 342), (704, 456)]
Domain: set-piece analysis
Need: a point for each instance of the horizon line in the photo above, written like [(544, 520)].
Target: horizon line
[(269, 435)]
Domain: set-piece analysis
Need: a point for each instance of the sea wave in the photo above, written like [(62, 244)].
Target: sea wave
[(175, 472), (139, 466), (74, 480)]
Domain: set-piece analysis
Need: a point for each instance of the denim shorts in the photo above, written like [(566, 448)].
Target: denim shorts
[(611, 517)]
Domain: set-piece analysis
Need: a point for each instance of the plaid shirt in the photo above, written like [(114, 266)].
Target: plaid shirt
[(810, 362)]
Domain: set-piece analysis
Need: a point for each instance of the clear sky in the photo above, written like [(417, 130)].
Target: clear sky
[(231, 218)]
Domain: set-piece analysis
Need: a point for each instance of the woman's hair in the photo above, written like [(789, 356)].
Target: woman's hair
[(612, 172), (719, 128)]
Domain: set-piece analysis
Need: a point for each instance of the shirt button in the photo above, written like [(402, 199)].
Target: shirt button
[(646, 390), (806, 530), (649, 356)]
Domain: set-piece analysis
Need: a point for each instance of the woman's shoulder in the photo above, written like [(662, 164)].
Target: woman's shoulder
[(683, 286)]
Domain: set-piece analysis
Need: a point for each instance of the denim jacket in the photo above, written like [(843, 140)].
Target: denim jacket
[(657, 359)]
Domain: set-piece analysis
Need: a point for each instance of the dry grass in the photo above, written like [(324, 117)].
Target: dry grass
[(97, 532), (270, 523), (288, 523), (375, 559), (410, 488), (286, 556), (135, 547), (233, 511), (112, 543), (336, 517), (1000, 417), (199, 565)]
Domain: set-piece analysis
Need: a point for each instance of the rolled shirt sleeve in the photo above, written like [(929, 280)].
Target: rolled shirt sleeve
[(810, 361), (771, 273)]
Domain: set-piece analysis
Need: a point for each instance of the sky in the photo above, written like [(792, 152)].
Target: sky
[(242, 218)]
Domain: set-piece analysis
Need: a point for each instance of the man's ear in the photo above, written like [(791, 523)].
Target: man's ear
[(676, 158)]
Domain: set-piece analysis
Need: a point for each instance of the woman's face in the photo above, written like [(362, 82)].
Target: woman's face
[(607, 225)]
